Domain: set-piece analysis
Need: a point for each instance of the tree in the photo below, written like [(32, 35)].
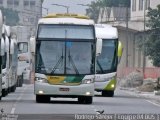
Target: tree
[(95, 6), (12, 17), (94, 9), (152, 44)]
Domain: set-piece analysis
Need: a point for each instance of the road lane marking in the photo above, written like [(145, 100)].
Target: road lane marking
[(13, 110), (145, 98), (156, 104), (18, 99)]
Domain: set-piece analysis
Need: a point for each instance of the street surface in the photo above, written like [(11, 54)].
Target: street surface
[(23, 102)]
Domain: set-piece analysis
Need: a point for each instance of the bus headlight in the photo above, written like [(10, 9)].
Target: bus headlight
[(87, 81), (42, 80), (112, 85)]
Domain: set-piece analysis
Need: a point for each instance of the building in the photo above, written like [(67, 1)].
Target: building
[(29, 10), (132, 33), (112, 14)]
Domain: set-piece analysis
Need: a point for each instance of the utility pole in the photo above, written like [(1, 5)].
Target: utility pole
[(127, 33), (67, 7), (144, 51)]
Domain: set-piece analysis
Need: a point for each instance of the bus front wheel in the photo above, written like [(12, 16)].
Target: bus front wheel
[(42, 98), (85, 100), (108, 93)]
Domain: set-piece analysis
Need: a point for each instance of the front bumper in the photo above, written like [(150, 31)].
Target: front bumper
[(54, 90), (106, 85)]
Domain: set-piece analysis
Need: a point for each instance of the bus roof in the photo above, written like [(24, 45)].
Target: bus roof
[(66, 19), (105, 31)]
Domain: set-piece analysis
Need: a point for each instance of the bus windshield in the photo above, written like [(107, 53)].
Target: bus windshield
[(107, 61), (66, 31), (61, 57)]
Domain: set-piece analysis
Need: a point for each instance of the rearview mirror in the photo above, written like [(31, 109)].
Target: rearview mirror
[(8, 30), (120, 51), (20, 46), (6, 44), (98, 47), (2, 47), (32, 44), (12, 47)]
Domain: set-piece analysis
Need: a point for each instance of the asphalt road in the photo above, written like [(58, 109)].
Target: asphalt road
[(23, 102)]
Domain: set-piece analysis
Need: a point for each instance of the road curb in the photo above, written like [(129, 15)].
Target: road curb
[(147, 95)]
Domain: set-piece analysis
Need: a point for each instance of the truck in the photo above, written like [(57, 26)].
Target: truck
[(24, 56)]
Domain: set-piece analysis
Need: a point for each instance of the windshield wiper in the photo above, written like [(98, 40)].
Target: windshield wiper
[(100, 66), (73, 64), (58, 63)]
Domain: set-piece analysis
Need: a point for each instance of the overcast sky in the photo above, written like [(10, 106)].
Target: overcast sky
[(73, 7)]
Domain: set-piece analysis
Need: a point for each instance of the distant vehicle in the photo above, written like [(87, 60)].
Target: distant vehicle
[(64, 58), (107, 61), (24, 56)]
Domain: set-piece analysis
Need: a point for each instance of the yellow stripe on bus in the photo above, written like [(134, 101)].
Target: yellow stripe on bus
[(55, 79)]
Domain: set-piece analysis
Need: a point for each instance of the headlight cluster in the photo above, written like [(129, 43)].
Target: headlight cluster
[(87, 81), (42, 80)]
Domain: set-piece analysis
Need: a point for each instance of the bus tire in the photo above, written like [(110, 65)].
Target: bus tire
[(88, 100), (81, 100), (0, 98), (21, 82), (13, 88), (42, 99), (108, 93), (85, 99), (4, 93)]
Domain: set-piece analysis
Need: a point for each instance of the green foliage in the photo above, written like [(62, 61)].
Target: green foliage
[(153, 43), (94, 7), (93, 10), (12, 17)]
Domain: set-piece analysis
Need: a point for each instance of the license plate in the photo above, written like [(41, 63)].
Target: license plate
[(64, 89)]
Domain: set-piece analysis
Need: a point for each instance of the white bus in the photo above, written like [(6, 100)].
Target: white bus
[(9, 62), (65, 58), (107, 62), (1, 54)]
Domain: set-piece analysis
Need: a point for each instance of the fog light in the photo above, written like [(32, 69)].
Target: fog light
[(40, 92), (112, 85), (88, 93)]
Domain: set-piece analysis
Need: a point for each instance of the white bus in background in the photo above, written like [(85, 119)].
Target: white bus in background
[(64, 58), (1, 53), (24, 56), (107, 62), (9, 61), (13, 61)]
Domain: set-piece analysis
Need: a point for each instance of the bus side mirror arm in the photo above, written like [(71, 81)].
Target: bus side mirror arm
[(98, 47), (32, 45)]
